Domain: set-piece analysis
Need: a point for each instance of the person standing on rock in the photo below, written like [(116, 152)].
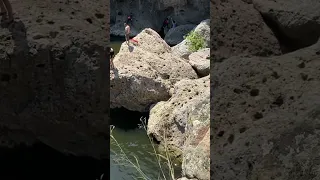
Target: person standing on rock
[(174, 24), (111, 57), (127, 32), (6, 12), (165, 25)]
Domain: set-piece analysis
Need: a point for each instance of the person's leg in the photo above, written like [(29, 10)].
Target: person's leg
[(111, 62), (127, 38), (9, 9), (111, 59)]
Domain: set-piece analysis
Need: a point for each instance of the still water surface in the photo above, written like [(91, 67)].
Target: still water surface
[(134, 143)]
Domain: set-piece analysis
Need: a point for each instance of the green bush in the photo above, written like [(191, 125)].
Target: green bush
[(195, 41)]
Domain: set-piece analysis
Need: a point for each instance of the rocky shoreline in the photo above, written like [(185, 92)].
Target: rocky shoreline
[(150, 76)]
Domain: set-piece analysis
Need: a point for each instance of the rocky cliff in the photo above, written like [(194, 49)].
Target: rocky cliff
[(265, 89), (151, 13), (52, 69)]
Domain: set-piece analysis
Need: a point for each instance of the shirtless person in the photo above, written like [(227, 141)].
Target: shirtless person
[(6, 11), (127, 32)]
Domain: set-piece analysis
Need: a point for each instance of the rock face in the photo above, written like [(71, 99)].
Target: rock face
[(266, 117), (298, 21), (52, 77), (196, 153), (151, 14), (265, 110), (200, 61), (237, 28), (145, 72), (176, 35), (182, 49), (182, 123)]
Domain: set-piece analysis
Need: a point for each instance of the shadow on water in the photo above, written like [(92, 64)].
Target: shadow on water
[(125, 119), (43, 162)]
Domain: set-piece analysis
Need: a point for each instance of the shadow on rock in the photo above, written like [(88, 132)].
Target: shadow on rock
[(15, 57), (131, 48), (115, 72), (19, 36)]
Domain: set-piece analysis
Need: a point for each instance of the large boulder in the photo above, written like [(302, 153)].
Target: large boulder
[(182, 124), (297, 20), (144, 72), (266, 117), (176, 35), (200, 61), (52, 89), (182, 49), (237, 28)]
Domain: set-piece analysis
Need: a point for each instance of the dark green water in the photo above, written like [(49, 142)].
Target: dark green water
[(116, 45), (133, 143)]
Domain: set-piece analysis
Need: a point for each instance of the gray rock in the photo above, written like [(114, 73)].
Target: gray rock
[(182, 49), (196, 154), (239, 29), (298, 20), (266, 117), (176, 35), (182, 123), (200, 61), (145, 73)]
